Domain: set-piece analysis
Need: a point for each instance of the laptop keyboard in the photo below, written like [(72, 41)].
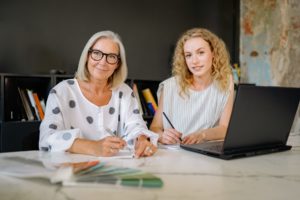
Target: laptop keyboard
[(215, 146)]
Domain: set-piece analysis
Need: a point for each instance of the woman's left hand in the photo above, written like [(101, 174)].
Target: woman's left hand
[(143, 147), (194, 138)]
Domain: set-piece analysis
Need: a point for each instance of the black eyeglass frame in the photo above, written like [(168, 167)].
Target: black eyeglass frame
[(106, 56)]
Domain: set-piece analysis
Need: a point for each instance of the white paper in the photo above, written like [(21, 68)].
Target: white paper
[(122, 154), (169, 146)]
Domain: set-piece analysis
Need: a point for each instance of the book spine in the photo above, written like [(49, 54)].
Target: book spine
[(151, 108), (22, 116), (39, 106), (149, 98), (43, 104), (136, 94), (33, 104), (25, 104)]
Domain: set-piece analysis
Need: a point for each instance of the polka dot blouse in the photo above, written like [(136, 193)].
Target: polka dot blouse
[(69, 115)]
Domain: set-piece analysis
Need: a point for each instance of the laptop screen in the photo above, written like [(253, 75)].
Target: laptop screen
[(261, 116)]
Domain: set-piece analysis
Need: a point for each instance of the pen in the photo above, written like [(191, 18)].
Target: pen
[(170, 122), (110, 131), (115, 135)]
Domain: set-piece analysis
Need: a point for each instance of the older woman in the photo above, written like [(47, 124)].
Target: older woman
[(96, 113), (198, 98)]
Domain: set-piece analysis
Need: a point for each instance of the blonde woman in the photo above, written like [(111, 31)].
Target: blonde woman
[(198, 98), (96, 113)]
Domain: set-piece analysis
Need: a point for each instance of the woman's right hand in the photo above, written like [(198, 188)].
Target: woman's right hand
[(108, 146), (170, 136)]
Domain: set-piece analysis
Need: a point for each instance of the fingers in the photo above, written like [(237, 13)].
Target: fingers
[(144, 148), (176, 133), (149, 150), (117, 140), (188, 140), (171, 136), (168, 139), (192, 139), (117, 145), (112, 145)]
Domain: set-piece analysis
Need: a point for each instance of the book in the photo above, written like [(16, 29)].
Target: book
[(26, 105), (91, 172), (43, 104), (38, 106), (149, 98), (143, 104), (151, 108), (34, 108), (19, 112), (136, 94)]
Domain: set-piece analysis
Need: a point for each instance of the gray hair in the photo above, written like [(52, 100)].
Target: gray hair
[(119, 74)]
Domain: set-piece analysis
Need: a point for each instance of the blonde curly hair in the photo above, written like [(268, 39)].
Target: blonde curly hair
[(221, 69)]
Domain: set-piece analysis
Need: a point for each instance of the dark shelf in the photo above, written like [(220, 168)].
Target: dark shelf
[(141, 85), (16, 132), (19, 136)]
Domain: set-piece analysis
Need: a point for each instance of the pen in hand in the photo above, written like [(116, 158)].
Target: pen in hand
[(170, 123), (114, 135)]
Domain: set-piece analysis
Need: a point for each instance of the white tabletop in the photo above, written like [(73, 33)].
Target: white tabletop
[(186, 175)]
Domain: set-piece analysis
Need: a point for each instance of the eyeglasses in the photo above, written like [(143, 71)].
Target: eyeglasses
[(97, 55)]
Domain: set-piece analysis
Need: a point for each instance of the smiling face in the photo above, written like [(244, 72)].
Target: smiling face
[(198, 57), (101, 69)]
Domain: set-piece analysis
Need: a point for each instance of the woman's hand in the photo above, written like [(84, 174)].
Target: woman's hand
[(108, 146), (143, 147), (170, 136), (194, 138)]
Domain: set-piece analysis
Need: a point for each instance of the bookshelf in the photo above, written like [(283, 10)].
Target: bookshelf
[(142, 85), (17, 133)]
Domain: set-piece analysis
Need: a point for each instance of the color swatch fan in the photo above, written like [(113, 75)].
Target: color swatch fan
[(114, 175)]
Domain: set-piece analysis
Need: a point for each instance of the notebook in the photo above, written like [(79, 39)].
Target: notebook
[(260, 123)]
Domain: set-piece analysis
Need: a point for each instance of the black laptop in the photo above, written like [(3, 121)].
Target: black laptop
[(260, 123)]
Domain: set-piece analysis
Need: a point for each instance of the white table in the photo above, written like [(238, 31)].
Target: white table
[(186, 175)]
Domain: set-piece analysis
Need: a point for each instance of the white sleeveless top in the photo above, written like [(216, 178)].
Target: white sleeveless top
[(200, 110)]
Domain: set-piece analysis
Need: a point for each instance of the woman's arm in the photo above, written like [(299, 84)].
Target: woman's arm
[(157, 122), (54, 136), (135, 129), (166, 136), (108, 146)]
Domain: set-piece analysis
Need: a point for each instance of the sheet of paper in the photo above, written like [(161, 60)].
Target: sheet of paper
[(123, 154), (169, 146)]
